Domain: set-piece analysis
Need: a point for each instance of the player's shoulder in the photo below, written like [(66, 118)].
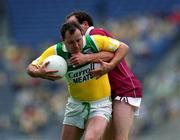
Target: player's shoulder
[(100, 31), (97, 36), (53, 47)]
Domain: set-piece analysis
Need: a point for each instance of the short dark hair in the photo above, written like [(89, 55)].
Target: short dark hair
[(81, 17), (71, 27)]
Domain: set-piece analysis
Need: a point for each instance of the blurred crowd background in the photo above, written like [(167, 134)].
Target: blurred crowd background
[(32, 109)]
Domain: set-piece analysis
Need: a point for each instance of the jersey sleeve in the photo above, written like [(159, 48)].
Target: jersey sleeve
[(48, 52), (104, 43)]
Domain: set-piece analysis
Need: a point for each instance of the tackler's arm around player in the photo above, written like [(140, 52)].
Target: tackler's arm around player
[(80, 58), (119, 55), (105, 67)]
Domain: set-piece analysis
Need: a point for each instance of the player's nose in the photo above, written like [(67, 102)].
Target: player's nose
[(76, 45)]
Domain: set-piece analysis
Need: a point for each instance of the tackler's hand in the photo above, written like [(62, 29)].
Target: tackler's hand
[(78, 59), (101, 70)]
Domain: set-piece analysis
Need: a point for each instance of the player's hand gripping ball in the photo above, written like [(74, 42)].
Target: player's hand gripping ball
[(57, 62)]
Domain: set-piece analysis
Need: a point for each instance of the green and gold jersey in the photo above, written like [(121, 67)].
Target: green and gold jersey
[(80, 83)]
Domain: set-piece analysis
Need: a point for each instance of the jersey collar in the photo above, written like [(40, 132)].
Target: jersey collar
[(89, 30), (64, 48)]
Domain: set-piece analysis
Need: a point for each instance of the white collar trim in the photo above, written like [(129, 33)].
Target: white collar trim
[(64, 48), (89, 30), (84, 41)]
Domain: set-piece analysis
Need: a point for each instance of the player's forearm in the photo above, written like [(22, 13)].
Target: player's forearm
[(105, 56), (120, 53)]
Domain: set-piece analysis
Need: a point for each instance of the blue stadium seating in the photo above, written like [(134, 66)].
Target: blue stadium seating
[(38, 21)]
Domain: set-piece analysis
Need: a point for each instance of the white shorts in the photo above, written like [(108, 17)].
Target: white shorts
[(78, 112), (136, 102)]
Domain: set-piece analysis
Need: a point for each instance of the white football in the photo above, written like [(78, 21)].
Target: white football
[(57, 62)]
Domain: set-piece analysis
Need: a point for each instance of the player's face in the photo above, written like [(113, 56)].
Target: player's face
[(73, 42), (83, 26)]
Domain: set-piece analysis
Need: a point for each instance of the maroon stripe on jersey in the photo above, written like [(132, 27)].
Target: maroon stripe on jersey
[(100, 31)]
